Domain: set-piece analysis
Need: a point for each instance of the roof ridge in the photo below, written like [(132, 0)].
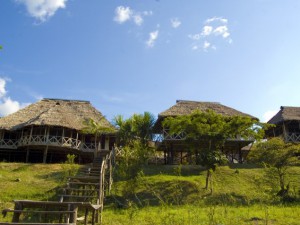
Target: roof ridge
[(180, 100), (65, 100)]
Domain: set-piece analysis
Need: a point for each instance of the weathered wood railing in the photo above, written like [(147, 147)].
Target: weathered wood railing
[(9, 143), (292, 137), (58, 141)]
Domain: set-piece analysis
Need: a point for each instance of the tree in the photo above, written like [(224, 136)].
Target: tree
[(137, 127), (277, 156), (132, 138), (207, 132)]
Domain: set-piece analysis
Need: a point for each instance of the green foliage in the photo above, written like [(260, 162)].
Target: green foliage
[(133, 158), (69, 167), (133, 136), (137, 127), (277, 157), (214, 129), (208, 125), (97, 128)]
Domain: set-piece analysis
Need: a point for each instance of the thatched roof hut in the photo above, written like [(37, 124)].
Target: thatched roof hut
[(174, 145), (287, 122), (286, 113), (54, 112), (184, 107), (55, 128)]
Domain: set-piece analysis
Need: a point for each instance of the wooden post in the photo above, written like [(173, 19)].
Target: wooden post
[(45, 154), (47, 134), (16, 216), (30, 136), (240, 154), (27, 154), (106, 143)]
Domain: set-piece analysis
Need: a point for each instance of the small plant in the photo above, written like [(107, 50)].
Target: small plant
[(69, 167), (177, 170)]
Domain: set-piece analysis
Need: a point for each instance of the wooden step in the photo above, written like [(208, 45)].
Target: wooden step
[(79, 189), (4, 211), (23, 223), (79, 196), (84, 183)]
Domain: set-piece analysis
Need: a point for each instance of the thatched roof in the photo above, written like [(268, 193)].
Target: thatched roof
[(187, 107), (184, 107), (54, 112), (286, 113)]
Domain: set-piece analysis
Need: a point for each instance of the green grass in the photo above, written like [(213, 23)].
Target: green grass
[(29, 181), (168, 195), (194, 214)]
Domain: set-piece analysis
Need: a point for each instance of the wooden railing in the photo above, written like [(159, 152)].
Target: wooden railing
[(8, 143), (292, 137), (87, 147), (182, 136), (66, 142), (168, 136)]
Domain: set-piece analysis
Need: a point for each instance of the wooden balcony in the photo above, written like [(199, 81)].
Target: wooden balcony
[(182, 136), (42, 140)]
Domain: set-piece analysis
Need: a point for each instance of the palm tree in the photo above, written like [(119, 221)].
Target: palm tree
[(97, 129), (137, 127)]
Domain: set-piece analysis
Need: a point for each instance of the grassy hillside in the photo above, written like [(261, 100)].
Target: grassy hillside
[(168, 195)]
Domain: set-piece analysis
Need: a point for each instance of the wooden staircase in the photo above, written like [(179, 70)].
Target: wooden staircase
[(85, 191)]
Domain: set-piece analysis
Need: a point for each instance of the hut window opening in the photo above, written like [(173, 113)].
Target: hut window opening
[(10, 135), (55, 131), (38, 131)]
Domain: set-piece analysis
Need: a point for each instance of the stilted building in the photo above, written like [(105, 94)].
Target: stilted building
[(50, 129), (174, 147), (287, 124)]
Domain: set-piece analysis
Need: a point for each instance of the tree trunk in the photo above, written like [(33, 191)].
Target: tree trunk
[(208, 181)]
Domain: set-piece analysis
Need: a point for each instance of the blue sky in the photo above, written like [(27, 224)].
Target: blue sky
[(133, 56)]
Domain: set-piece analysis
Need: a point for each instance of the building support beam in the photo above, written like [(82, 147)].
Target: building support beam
[(45, 154), (27, 154)]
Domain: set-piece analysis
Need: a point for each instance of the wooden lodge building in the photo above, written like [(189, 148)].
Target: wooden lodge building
[(173, 147), (287, 124), (50, 129)]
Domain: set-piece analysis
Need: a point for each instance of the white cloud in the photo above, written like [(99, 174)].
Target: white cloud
[(152, 38), (206, 45), (2, 87), (138, 20), (175, 22), (194, 36), (216, 19), (268, 115), (213, 31), (147, 13), (124, 14), (7, 105), (195, 47), (43, 9), (222, 30), (206, 30)]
